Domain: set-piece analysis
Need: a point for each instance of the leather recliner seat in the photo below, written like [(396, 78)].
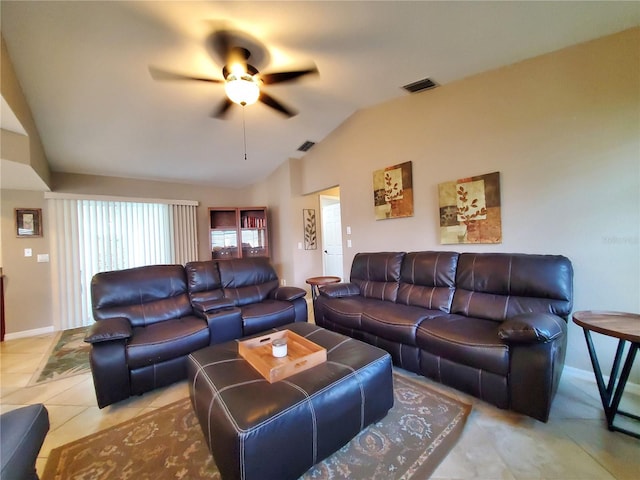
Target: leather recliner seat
[(490, 324), (148, 319), (22, 433)]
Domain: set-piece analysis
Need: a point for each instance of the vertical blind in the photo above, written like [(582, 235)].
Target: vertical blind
[(96, 235)]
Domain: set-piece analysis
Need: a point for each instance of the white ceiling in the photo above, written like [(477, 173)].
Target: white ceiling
[(83, 67)]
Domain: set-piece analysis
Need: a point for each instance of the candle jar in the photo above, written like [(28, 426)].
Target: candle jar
[(279, 347)]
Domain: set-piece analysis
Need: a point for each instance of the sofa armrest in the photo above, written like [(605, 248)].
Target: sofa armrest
[(532, 328), (212, 305), (23, 431), (287, 294), (108, 329), (337, 290)]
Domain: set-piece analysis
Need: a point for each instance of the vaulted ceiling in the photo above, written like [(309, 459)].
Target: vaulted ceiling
[(83, 67)]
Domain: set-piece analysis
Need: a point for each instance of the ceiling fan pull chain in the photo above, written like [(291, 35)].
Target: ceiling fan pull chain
[(244, 134)]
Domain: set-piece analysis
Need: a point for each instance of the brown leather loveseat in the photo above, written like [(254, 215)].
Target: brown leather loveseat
[(493, 325), (148, 319)]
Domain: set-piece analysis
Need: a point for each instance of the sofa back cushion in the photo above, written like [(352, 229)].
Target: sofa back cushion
[(497, 286), (377, 274), (247, 280), (203, 281), (427, 279), (144, 295)]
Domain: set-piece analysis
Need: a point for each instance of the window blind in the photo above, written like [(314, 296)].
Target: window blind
[(91, 236)]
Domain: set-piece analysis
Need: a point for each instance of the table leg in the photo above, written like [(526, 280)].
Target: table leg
[(611, 394), (314, 292)]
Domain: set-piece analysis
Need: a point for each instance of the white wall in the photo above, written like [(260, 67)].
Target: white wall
[(563, 131)]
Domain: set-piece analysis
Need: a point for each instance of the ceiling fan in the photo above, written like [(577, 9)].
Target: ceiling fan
[(242, 81)]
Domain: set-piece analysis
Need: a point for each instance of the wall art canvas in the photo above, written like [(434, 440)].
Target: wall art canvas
[(470, 210), (28, 222), (310, 237), (393, 192)]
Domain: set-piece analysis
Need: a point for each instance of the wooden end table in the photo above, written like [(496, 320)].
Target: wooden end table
[(626, 328), (316, 282)]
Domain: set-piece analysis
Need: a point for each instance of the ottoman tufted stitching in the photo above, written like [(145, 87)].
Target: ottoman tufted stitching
[(305, 405)]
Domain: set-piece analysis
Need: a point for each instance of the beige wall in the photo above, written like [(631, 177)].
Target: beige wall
[(12, 93), (562, 130), (27, 285), (281, 193)]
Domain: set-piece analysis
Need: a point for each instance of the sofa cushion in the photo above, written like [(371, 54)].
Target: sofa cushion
[(498, 286), (465, 340), (144, 295), (22, 433), (377, 274), (395, 322), (345, 311), (166, 340), (258, 317), (247, 280), (203, 281), (427, 279)]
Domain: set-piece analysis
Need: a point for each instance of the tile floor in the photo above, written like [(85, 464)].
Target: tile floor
[(495, 444)]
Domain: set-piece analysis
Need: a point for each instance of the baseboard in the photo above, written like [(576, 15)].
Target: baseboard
[(588, 375), (28, 333)]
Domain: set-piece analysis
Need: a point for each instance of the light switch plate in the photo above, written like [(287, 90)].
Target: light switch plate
[(28, 252), (43, 257)]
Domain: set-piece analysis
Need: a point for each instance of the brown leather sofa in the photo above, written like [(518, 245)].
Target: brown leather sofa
[(22, 433), (148, 319), (493, 325)]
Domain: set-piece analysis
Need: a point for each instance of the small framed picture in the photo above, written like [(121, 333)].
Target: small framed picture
[(29, 222)]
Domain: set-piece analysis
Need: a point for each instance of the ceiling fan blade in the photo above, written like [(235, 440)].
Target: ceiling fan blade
[(221, 111), (280, 77), (225, 37), (275, 104), (160, 74)]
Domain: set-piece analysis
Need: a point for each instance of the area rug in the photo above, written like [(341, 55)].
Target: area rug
[(68, 356), (409, 442)]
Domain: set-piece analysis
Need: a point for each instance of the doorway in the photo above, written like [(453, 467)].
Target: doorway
[(331, 224)]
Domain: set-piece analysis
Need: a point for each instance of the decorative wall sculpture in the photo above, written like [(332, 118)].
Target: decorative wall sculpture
[(470, 210), (310, 236), (393, 191)]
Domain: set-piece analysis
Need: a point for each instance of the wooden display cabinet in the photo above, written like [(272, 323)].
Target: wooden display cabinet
[(237, 232)]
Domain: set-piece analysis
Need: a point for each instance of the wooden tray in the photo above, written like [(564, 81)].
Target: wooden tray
[(302, 354)]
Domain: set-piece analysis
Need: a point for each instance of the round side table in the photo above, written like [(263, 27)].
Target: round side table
[(316, 282), (626, 328)]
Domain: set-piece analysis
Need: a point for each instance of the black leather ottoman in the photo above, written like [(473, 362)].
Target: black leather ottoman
[(261, 430)]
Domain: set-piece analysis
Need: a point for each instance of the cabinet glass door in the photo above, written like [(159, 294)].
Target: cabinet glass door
[(253, 242), (224, 244)]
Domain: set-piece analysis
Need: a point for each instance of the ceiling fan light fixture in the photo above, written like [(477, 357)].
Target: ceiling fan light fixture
[(242, 89)]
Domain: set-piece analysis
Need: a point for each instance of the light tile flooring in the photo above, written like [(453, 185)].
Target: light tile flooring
[(495, 444)]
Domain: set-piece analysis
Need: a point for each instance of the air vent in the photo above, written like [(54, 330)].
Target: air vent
[(420, 85), (306, 146)]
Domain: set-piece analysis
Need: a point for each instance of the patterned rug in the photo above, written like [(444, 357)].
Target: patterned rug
[(68, 356), (409, 442)]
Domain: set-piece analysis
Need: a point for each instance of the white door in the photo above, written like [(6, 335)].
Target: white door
[(331, 236)]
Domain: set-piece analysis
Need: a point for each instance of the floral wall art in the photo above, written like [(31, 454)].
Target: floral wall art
[(310, 237), (393, 191), (470, 210)]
